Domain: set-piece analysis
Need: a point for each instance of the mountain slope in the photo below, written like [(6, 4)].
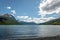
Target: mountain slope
[(7, 19), (52, 22)]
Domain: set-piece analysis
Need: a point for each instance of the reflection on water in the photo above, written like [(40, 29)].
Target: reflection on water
[(49, 30), (22, 31)]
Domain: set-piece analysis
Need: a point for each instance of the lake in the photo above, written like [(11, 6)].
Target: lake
[(28, 31)]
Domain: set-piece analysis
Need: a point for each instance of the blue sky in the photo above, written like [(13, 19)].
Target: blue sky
[(22, 7), (29, 10)]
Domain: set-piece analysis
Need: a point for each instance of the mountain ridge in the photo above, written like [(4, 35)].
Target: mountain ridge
[(52, 22), (8, 19)]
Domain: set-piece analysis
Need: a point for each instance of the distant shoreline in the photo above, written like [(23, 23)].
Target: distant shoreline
[(40, 38)]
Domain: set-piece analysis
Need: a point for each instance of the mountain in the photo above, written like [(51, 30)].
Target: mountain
[(27, 23), (7, 19), (52, 22)]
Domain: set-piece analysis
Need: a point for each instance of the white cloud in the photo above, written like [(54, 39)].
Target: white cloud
[(13, 11), (36, 20), (49, 7), (42, 20), (10, 10), (8, 7), (28, 20), (23, 17)]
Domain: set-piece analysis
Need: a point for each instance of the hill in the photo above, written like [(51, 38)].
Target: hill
[(52, 22), (7, 19)]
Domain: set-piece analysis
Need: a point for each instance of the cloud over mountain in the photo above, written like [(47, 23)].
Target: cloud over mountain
[(13, 11), (23, 17), (36, 20)]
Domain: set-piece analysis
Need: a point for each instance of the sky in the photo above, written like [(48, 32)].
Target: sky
[(37, 11)]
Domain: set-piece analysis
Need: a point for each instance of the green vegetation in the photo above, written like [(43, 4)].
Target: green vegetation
[(52, 22), (7, 19)]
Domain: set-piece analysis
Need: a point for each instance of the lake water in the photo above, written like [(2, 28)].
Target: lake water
[(28, 31)]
